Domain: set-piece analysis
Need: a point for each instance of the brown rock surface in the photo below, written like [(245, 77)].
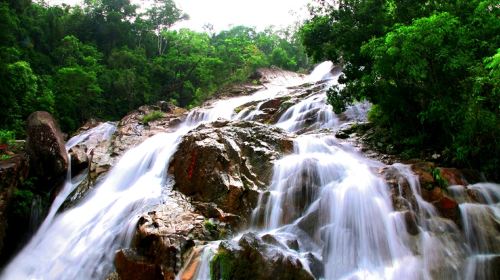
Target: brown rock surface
[(45, 147), (131, 266), (165, 234), (12, 172), (228, 162), (252, 258), (453, 176), (131, 131)]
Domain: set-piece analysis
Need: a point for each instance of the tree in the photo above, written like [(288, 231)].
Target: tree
[(77, 96), (76, 88), (428, 66), (160, 17)]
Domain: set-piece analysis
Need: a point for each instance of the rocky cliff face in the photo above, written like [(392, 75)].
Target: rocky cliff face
[(12, 173), (227, 163), (219, 170), (27, 179), (222, 169), (45, 148)]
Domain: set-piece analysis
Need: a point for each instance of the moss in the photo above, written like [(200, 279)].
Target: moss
[(441, 182), (5, 157), (222, 266), (155, 115), (238, 109), (223, 233), (209, 225), (285, 105), (21, 203), (7, 137)]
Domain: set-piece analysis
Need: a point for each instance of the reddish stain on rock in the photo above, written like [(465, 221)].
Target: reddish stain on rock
[(192, 165)]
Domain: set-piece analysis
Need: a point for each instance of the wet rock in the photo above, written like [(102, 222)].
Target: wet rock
[(228, 162), (131, 266), (302, 189), (309, 221), (251, 258), (90, 146), (424, 172), (411, 222), (402, 195), (192, 264), (45, 148), (131, 131), (270, 239), (341, 134), (13, 172), (447, 206), (166, 107), (79, 159), (241, 89), (452, 176), (169, 231), (210, 210), (273, 104), (159, 247), (292, 244), (91, 123), (315, 265)]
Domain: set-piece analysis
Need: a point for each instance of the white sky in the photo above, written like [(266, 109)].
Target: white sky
[(225, 13)]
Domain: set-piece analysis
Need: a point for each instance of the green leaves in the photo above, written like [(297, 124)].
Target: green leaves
[(431, 67)]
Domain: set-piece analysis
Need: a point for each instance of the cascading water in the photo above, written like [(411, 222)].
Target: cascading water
[(354, 227), (480, 220), (330, 199), (324, 195), (80, 243)]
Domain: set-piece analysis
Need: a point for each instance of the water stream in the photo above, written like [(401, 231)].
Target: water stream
[(80, 243), (324, 195)]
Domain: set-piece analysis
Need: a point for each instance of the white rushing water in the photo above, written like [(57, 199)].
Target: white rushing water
[(324, 195), (80, 243)]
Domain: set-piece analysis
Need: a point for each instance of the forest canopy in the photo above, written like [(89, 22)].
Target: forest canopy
[(431, 69), (106, 58)]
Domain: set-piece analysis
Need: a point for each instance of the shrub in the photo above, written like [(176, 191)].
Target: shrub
[(7, 137), (155, 115)]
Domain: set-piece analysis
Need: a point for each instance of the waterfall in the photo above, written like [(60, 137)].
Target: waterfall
[(325, 195), (80, 243), (480, 221)]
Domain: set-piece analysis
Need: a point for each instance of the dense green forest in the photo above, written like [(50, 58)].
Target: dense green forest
[(106, 58), (432, 69)]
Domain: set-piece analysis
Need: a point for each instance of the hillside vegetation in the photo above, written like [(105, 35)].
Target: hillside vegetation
[(432, 69), (106, 58)]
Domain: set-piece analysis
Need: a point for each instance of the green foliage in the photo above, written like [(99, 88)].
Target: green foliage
[(7, 137), (224, 264), (78, 96), (442, 182), (153, 116), (5, 157), (209, 225), (431, 69), (21, 203), (106, 58)]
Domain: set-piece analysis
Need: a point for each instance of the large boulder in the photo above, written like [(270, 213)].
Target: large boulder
[(163, 236), (228, 163), (433, 182), (433, 187), (253, 258), (130, 266), (45, 148)]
